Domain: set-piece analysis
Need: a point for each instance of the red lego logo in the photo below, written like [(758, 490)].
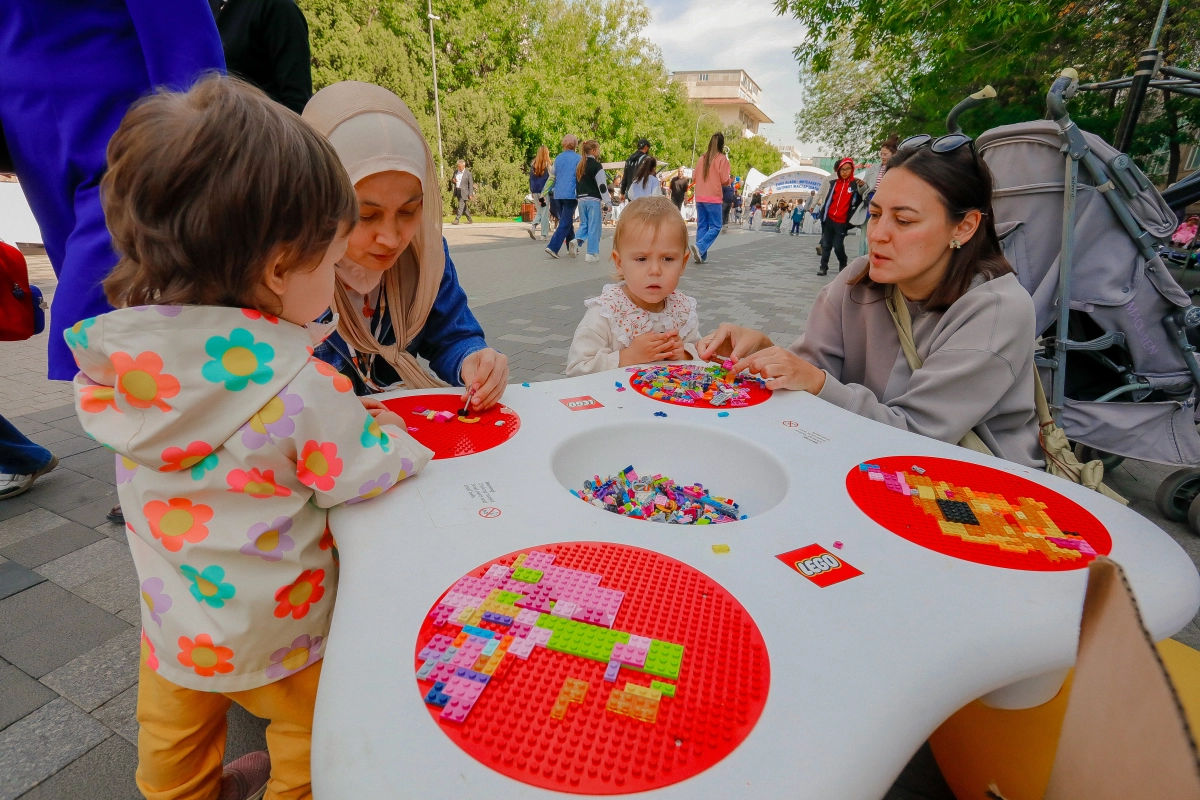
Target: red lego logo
[(581, 403), (819, 565)]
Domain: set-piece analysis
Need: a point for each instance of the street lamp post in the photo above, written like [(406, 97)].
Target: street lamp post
[(437, 103)]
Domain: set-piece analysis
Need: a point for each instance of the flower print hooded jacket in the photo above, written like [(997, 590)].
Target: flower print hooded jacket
[(232, 443)]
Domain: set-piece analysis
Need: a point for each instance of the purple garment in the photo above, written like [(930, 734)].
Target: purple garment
[(68, 73)]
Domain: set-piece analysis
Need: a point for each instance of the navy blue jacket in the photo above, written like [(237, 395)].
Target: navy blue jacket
[(451, 333)]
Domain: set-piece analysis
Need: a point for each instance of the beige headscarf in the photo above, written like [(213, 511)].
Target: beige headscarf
[(373, 131)]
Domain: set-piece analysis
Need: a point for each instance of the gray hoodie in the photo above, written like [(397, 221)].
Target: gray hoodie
[(978, 363)]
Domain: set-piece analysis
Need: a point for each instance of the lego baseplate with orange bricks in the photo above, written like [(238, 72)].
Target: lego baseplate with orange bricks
[(534, 644)]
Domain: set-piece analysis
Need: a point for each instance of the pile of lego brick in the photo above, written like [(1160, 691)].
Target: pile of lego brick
[(690, 384), (658, 499)]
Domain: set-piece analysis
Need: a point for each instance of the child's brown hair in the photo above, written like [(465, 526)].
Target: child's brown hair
[(654, 211), (205, 187)]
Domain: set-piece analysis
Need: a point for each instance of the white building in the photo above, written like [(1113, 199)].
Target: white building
[(731, 93)]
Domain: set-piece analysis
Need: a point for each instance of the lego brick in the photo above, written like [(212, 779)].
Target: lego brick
[(610, 674), (667, 689), (632, 705), (526, 575), (521, 648), (642, 691)]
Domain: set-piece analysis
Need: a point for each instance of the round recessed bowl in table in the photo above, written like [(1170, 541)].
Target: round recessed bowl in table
[(726, 464)]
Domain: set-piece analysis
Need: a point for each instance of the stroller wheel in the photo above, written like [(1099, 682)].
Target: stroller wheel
[(1194, 517), (1085, 454), (1176, 493)]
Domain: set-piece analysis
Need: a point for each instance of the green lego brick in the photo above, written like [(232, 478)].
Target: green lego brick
[(508, 598), (668, 689), (662, 659), (580, 638), (527, 575)]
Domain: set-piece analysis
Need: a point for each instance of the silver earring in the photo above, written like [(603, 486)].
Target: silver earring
[(954, 244)]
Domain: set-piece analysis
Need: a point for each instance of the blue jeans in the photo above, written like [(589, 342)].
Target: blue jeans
[(589, 224), (566, 224), (18, 455), (708, 225)]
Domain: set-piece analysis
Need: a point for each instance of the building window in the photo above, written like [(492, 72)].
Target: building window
[(703, 76), (1192, 162)]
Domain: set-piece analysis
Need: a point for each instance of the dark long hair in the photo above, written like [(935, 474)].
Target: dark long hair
[(963, 183), (716, 146), (646, 168)]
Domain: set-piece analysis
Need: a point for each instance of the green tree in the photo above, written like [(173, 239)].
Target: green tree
[(934, 53), (512, 75)]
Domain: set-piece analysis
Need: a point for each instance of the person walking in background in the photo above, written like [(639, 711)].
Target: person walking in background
[(756, 211), (838, 199), (711, 175), (591, 188), (644, 182), (539, 175), (266, 44), (631, 166), (797, 218), (565, 164), (678, 188), (873, 175), (464, 191), (810, 215), (737, 207)]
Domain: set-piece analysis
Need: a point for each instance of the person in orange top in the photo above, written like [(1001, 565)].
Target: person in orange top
[(711, 174)]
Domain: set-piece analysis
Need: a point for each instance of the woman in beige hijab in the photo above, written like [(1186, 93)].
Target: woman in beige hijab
[(397, 295)]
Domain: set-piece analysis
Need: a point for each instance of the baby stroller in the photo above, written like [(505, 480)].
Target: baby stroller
[(1116, 332)]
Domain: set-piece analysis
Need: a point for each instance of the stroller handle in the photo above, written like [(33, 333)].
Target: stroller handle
[(1060, 90), (977, 99)]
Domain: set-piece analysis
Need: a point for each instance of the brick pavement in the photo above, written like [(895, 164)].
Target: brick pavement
[(69, 601)]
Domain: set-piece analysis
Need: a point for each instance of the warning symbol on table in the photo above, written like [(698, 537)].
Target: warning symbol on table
[(489, 512)]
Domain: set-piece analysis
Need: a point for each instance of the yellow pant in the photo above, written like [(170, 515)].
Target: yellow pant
[(181, 744)]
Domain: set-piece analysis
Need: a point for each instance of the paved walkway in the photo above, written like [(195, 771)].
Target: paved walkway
[(69, 601)]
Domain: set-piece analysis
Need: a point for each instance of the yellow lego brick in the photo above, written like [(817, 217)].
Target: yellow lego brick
[(652, 694), (633, 705), (490, 664), (520, 560), (720, 548), (464, 616), (475, 618)]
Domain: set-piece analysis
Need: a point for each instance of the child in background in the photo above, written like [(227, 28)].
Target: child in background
[(797, 218), (591, 187), (232, 442), (644, 318)]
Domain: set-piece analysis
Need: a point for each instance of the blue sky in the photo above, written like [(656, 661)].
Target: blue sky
[(736, 34)]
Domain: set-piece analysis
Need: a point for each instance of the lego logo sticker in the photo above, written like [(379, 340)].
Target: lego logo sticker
[(581, 403), (819, 565)]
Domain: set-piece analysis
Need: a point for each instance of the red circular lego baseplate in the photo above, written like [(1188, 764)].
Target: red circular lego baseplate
[(536, 722), (758, 394), (455, 438), (977, 513)]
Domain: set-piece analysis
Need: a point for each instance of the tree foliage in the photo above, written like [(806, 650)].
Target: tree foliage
[(872, 67), (514, 75)]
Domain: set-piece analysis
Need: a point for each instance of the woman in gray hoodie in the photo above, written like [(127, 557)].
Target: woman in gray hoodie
[(935, 256)]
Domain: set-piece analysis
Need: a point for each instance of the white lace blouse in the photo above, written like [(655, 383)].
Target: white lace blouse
[(612, 320)]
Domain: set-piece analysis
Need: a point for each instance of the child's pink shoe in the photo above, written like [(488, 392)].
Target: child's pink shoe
[(246, 778)]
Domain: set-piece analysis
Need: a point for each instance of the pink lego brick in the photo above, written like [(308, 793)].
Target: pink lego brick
[(498, 571), (539, 636), (629, 654), (538, 560), (463, 695), (639, 641), (435, 647), (875, 475), (521, 648), (527, 617), (441, 672), (519, 629), (563, 609)]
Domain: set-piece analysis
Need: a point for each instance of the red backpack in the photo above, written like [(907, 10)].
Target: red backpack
[(22, 310)]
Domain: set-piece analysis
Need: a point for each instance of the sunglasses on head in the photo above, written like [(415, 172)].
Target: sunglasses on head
[(942, 144)]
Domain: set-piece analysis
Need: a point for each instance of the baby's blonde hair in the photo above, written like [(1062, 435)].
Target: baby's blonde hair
[(654, 212)]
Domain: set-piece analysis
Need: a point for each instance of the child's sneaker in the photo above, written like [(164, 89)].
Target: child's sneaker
[(590, 257), (572, 246), (246, 778), (551, 253)]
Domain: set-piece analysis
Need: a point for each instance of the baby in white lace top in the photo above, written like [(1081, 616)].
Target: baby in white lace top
[(643, 318)]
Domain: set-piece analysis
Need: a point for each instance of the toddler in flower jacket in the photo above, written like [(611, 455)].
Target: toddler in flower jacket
[(231, 441)]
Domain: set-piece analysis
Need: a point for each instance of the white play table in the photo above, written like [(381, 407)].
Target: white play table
[(861, 672)]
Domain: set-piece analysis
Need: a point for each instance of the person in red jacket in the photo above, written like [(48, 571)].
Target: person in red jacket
[(838, 199)]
